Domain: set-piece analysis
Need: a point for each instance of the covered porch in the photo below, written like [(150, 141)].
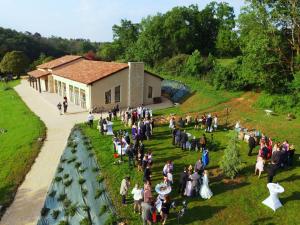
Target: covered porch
[(38, 79)]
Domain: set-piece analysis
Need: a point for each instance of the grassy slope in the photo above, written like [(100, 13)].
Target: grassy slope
[(204, 96), (231, 202), (18, 146)]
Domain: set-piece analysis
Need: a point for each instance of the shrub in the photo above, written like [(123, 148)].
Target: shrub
[(55, 214), (100, 178), (81, 180), (231, 161), (77, 165), (84, 191), (103, 209), (58, 179), (175, 64), (60, 169), (67, 202), (67, 183), (111, 219), (85, 208), (85, 221), (73, 159), (44, 211), (289, 103), (66, 176), (71, 210), (64, 222), (82, 170), (99, 192), (62, 160), (52, 194), (61, 197)]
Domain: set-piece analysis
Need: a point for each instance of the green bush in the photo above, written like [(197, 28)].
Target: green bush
[(103, 209), (231, 162), (279, 103), (175, 64), (55, 214), (85, 221)]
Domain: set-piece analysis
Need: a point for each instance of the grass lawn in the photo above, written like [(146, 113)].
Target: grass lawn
[(205, 96), (19, 145), (233, 202)]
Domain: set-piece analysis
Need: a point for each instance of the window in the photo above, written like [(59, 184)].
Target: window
[(108, 97), (117, 94), (76, 96), (82, 99), (59, 88), (71, 94), (150, 91)]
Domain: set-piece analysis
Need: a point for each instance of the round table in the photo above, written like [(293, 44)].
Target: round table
[(273, 201)]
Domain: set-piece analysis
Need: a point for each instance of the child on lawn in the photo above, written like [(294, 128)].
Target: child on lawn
[(259, 165)]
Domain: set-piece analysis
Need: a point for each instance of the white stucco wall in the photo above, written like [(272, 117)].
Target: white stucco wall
[(155, 83), (99, 88), (85, 87)]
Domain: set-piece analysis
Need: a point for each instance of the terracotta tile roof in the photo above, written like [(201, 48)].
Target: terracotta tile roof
[(59, 61), (88, 71), (38, 73)]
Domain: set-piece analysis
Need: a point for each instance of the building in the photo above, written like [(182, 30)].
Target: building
[(91, 84)]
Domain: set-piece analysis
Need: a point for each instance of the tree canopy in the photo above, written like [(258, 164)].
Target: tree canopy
[(15, 62)]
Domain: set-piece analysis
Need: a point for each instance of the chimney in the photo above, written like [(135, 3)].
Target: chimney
[(135, 84)]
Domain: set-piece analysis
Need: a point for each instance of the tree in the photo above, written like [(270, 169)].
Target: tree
[(231, 162), (125, 35), (109, 51), (42, 59), (197, 65), (227, 43), (15, 62), (265, 62)]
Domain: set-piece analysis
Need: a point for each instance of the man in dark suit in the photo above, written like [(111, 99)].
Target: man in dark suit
[(182, 181), (183, 140), (251, 144)]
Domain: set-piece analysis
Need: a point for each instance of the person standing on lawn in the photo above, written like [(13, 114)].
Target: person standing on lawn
[(147, 212), (183, 140), (90, 119), (138, 198), (182, 181), (124, 188), (251, 144), (203, 141)]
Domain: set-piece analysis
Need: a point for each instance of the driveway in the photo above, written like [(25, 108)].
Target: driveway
[(31, 194), (30, 197)]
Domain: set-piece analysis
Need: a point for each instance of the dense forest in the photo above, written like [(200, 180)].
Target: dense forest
[(263, 43)]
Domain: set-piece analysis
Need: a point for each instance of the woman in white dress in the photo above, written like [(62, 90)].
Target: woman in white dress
[(205, 191), (189, 187), (215, 122)]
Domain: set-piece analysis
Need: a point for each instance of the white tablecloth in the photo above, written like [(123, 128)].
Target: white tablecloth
[(119, 149), (273, 201), (109, 128)]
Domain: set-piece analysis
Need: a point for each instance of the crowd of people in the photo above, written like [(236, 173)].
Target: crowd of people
[(192, 180), (273, 155)]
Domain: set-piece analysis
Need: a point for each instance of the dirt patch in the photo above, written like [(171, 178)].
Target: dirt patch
[(216, 175), (237, 180)]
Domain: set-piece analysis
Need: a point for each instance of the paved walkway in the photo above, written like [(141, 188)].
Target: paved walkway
[(31, 195)]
